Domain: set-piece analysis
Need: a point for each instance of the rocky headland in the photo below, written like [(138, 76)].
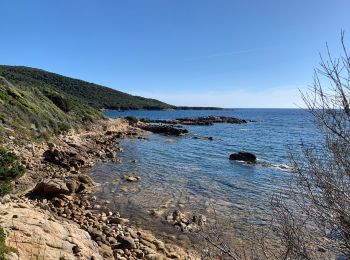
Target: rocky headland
[(175, 126), (205, 120)]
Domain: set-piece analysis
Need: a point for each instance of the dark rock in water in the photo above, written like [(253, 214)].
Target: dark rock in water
[(131, 178), (163, 129), (132, 120), (204, 137), (243, 156), (173, 126)]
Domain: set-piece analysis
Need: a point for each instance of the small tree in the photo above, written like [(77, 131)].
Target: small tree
[(10, 169), (321, 187), (316, 223)]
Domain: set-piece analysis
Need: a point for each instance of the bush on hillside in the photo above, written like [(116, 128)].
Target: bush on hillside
[(10, 169), (61, 102)]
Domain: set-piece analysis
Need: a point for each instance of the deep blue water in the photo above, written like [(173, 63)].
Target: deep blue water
[(196, 174)]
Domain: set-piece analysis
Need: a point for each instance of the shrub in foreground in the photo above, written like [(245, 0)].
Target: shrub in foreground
[(10, 169)]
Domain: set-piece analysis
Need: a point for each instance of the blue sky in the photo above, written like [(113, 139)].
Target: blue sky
[(229, 53)]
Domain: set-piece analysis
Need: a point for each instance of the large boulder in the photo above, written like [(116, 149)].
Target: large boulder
[(243, 156), (125, 242), (73, 185), (51, 187), (163, 129), (86, 180), (65, 158), (66, 186), (36, 231)]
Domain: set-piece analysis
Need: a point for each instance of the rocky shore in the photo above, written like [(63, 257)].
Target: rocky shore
[(52, 213), (207, 120), (164, 129), (175, 126)]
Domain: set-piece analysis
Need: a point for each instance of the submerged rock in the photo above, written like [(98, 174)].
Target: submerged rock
[(243, 156), (132, 178)]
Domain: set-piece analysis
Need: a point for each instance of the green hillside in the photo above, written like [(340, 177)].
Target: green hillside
[(36, 104), (30, 112), (94, 95)]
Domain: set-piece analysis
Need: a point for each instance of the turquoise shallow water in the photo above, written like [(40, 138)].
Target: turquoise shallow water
[(196, 175)]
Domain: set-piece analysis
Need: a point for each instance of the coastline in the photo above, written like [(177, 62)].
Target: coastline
[(54, 195)]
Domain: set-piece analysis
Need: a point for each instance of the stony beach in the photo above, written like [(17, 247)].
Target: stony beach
[(52, 212)]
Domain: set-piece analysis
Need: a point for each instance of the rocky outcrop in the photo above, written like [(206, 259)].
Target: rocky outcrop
[(60, 193), (65, 158), (58, 186), (208, 120), (51, 187), (68, 155), (113, 234), (37, 234), (243, 156), (173, 126), (163, 129)]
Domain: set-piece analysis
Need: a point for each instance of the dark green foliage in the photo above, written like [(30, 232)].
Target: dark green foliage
[(10, 168), (5, 188), (65, 104), (91, 94), (36, 113), (36, 104)]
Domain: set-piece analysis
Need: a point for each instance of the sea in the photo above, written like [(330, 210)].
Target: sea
[(193, 174)]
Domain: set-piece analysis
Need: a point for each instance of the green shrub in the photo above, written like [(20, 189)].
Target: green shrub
[(5, 188), (61, 102), (10, 168)]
